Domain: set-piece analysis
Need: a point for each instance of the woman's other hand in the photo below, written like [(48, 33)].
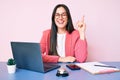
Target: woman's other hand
[(67, 59)]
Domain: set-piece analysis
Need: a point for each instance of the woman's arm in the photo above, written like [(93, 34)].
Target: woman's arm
[(81, 44), (81, 50)]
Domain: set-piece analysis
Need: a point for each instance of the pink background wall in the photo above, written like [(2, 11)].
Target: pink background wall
[(25, 20)]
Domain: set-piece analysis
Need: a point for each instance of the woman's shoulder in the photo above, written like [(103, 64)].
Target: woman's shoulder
[(46, 31)]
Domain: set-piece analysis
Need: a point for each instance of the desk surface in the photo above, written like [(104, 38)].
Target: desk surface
[(22, 74)]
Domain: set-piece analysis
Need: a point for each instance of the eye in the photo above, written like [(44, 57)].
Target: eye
[(64, 14), (57, 14)]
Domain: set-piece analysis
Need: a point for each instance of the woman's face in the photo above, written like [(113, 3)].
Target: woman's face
[(61, 18)]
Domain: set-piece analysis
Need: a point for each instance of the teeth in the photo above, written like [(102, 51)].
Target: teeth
[(60, 22)]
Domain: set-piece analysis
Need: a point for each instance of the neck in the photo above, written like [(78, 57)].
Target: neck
[(61, 31)]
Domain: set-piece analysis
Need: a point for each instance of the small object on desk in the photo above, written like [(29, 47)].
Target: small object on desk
[(62, 72), (73, 67), (105, 66), (11, 66)]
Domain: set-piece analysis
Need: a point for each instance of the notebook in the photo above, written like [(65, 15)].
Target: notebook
[(97, 67), (28, 56)]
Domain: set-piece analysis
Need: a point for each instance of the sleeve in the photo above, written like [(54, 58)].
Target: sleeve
[(50, 58), (44, 44), (81, 50)]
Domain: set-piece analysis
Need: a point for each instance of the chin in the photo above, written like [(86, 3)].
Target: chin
[(61, 25)]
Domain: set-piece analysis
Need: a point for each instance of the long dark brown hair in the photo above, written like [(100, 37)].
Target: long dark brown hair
[(53, 34)]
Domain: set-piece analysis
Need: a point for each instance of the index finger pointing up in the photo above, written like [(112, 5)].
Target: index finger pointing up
[(82, 19)]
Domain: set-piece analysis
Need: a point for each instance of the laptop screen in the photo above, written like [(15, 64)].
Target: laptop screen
[(27, 55)]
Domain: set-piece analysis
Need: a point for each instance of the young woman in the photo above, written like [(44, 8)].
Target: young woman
[(62, 43)]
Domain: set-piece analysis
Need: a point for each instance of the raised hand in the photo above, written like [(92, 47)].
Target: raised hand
[(81, 28), (81, 25)]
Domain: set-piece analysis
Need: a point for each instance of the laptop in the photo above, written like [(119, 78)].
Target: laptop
[(28, 56)]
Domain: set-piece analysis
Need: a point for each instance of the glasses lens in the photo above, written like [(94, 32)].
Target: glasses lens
[(63, 15)]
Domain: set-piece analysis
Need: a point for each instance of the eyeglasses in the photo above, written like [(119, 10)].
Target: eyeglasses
[(63, 15)]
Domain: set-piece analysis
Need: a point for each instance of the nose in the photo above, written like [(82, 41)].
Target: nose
[(60, 16)]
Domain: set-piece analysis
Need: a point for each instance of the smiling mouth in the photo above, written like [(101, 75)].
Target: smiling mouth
[(60, 22)]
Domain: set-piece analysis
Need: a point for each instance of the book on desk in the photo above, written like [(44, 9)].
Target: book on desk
[(98, 67)]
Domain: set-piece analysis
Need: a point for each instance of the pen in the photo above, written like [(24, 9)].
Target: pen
[(105, 66)]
